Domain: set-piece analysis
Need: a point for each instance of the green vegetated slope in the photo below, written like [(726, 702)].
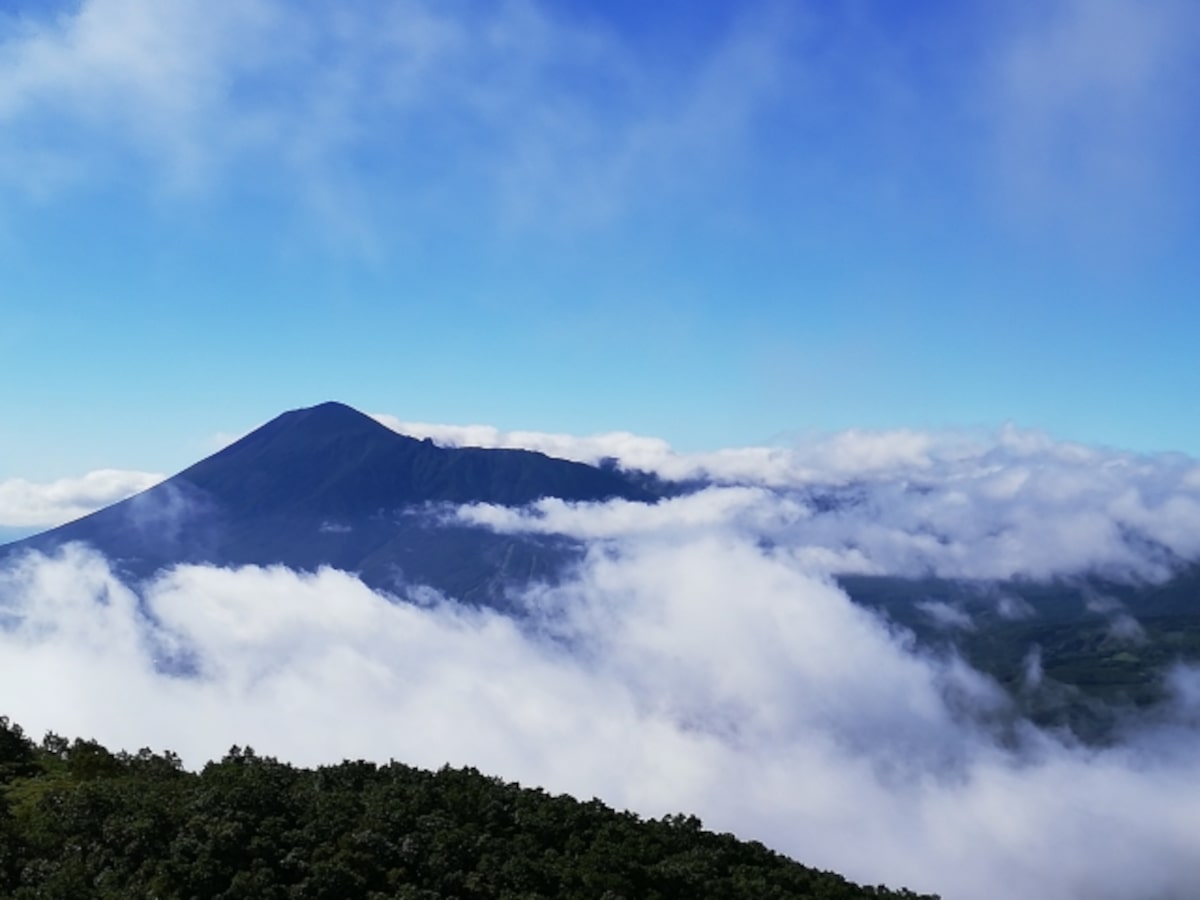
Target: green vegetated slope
[(77, 821), (1078, 653)]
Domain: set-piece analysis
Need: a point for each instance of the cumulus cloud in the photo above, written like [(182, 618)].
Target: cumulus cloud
[(29, 504), (946, 615), (1013, 503), (704, 673)]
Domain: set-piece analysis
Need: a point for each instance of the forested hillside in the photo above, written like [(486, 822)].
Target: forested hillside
[(77, 821)]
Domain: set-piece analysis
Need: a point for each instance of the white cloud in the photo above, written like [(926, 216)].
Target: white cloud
[(1012, 503), (704, 674), (155, 78), (1087, 102), (833, 457), (700, 658), (944, 615), (24, 503), (701, 511), (1070, 113), (550, 119)]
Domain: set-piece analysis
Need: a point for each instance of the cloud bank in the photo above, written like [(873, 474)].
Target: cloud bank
[(25, 504), (701, 659), (701, 673), (1013, 503)]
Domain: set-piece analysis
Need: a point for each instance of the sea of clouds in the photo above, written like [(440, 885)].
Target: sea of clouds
[(701, 659)]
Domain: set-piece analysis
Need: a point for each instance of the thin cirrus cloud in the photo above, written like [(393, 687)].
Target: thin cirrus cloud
[(1059, 114), (1092, 113), (88, 85), (205, 92)]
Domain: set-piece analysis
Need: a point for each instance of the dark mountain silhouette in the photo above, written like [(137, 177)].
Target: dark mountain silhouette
[(332, 460), (328, 485)]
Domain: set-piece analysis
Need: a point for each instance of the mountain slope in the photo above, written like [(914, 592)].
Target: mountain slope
[(327, 485), (331, 460), (79, 821)]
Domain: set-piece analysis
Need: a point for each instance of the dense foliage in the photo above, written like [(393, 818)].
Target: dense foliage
[(77, 821)]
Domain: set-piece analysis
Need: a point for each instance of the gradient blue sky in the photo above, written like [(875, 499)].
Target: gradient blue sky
[(722, 224)]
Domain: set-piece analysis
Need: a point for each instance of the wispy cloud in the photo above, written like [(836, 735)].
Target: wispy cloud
[(1009, 503), (1068, 117), (364, 113), (25, 503), (85, 86), (1092, 113)]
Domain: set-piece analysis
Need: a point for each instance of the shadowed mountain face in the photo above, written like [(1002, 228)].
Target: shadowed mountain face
[(328, 485), (331, 460)]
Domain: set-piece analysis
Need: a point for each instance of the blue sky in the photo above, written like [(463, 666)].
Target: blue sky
[(722, 226)]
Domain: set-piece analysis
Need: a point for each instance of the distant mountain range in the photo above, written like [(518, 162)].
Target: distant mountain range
[(328, 485)]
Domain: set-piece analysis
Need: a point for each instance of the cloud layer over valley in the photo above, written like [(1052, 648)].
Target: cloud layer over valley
[(1013, 503), (699, 659)]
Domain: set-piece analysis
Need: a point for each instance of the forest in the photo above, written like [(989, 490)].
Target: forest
[(78, 821)]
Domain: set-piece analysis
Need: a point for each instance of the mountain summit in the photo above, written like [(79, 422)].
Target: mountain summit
[(328, 485), (332, 460)]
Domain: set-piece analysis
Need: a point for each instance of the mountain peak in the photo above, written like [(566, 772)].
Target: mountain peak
[(328, 485), (336, 459), (322, 420), (330, 412)]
